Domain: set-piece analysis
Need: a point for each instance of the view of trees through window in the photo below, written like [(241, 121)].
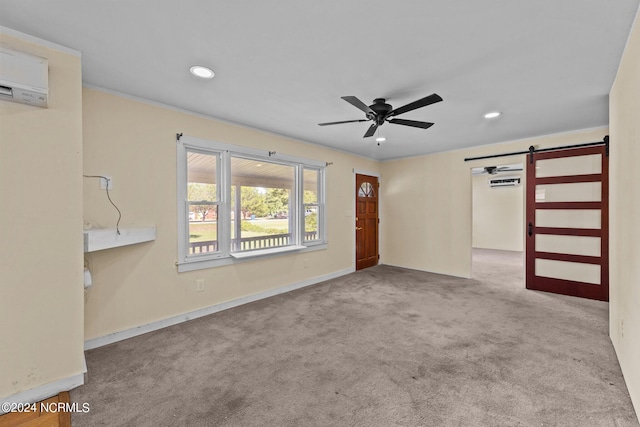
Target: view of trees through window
[(261, 205), (203, 203), (263, 212), (311, 203)]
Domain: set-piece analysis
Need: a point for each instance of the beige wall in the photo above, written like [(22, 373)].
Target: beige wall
[(134, 142), (625, 214), (498, 214), (41, 306), (427, 202)]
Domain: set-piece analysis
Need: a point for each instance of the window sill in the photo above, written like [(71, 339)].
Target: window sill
[(262, 252), (239, 257)]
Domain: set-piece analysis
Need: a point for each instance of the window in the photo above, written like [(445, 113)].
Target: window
[(236, 203), (263, 195), (366, 190), (311, 197), (202, 202)]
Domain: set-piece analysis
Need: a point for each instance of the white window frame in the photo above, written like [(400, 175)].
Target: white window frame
[(225, 152), (320, 204)]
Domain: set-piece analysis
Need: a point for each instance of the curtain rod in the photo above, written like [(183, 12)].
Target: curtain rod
[(532, 150)]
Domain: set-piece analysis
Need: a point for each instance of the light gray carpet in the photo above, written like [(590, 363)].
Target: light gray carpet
[(382, 347)]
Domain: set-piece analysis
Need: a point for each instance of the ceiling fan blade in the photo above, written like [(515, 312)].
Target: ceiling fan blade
[(358, 104), (371, 131), (413, 123), (346, 121), (427, 100)]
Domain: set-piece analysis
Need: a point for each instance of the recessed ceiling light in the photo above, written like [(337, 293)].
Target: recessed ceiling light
[(259, 165), (202, 72), (381, 139), (492, 115)]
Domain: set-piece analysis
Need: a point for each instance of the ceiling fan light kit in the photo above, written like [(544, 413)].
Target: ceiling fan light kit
[(380, 112)]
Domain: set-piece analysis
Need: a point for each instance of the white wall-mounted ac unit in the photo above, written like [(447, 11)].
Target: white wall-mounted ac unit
[(504, 181), (24, 78)]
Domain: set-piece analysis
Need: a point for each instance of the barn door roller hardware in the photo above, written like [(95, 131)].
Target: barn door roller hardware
[(532, 150)]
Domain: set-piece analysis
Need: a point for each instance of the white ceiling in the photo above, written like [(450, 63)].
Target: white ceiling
[(282, 66)]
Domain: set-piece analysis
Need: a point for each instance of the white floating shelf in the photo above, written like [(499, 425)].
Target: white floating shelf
[(105, 238)]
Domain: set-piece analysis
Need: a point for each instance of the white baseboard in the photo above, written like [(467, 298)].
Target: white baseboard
[(154, 326), (45, 391)]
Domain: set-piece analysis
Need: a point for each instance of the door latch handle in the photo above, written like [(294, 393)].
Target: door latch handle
[(530, 229), (358, 228)]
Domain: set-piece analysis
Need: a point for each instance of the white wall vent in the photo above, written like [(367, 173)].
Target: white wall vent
[(24, 78), (504, 181)]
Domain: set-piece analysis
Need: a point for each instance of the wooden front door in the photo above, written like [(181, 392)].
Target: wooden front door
[(567, 227), (366, 221)]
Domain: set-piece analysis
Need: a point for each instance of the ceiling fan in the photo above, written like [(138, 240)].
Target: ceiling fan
[(380, 112), (494, 170)]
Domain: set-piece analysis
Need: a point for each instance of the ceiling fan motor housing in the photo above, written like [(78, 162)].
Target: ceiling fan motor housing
[(381, 108), (491, 170)]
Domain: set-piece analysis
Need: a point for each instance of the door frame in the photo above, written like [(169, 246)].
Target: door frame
[(353, 212)]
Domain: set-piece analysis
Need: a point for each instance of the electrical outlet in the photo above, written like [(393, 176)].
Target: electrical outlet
[(105, 182), (199, 285)]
